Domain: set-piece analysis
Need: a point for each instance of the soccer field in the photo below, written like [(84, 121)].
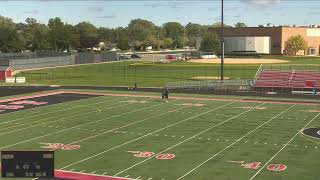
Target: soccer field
[(141, 137)]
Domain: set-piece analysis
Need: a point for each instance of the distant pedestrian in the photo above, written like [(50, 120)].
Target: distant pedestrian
[(314, 91), (166, 94), (162, 94)]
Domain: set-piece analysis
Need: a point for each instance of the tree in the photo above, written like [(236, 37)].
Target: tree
[(35, 35), (123, 44), (210, 42), (59, 36), (294, 44), (122, 38), (10, 38), (139, 31), (194, 31), (175, 31), (167, 43), (240, 25), (88, 35)]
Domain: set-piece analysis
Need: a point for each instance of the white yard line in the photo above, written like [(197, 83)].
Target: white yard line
[(74, 127), (206, 130), (65, 109), (136, 122), (285, 145), (147, 134), (67, 117), (227, 147), (52, 117)]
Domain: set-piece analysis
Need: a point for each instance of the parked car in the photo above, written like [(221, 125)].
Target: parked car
[(123, 57), (135, 56), (209, 56)]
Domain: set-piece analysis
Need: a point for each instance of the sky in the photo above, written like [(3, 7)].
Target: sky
[(106, 13)]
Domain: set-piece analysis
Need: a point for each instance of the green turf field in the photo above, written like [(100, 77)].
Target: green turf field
[(148, 74), (204, 137)]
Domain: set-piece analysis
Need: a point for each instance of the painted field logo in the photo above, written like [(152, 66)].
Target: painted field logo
[(257, 165), (147, 154), (276, 167), (8, 107), (26, 102), (312, 132), (56, 146)]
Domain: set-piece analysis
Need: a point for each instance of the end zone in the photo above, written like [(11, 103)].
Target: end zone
[(61, 174)]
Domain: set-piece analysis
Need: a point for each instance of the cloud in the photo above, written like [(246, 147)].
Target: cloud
[(262, 3), (31, 12), (172, 4), (154, 5), (237, 16), (212, 9), (95, 9), (231, 8), (283, 14), (106, 17), (313, 13), (267, 14)]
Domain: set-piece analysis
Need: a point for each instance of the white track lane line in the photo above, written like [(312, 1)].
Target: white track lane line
[(282, 148), (74, 127), (206, 130), (147, 134), (227, 147), (67, 117), (65, 109), (136, 122)]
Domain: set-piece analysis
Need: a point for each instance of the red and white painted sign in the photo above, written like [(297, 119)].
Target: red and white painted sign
[(56, 146), (257, 165), (147, 154), (252, 165), (276, 167), (8, 107), (165, 156), (26, 102)]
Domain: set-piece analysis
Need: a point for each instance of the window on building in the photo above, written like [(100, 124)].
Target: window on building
[(276, 45), (312, 51)]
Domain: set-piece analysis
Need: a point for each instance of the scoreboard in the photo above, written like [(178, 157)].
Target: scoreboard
[(27, 164)]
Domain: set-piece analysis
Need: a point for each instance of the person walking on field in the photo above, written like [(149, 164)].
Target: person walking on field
[(162, 94), (166, 94)]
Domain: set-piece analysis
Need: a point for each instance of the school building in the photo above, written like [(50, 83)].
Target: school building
[(269, 40)]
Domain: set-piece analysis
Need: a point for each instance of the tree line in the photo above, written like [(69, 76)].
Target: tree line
[(60, 36)]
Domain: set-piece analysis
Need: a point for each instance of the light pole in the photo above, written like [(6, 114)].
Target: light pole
[(222, 43)]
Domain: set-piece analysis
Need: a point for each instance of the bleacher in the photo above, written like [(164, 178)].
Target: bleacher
[(288, 79)]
